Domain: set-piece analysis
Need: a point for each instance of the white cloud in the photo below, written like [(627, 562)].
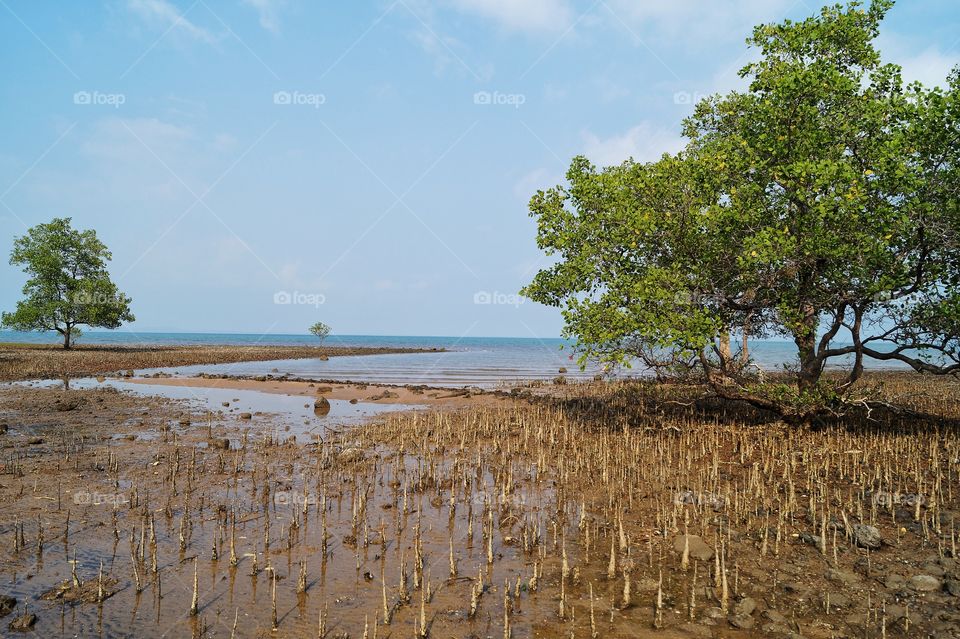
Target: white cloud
[(163, 15), (128, 139), (521, 15), (931, 67), (536, 180), (268, 10), (699, 21), (643, 143)]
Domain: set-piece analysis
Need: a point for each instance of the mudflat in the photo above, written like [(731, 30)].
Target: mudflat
[(42, 361), (616, 509)]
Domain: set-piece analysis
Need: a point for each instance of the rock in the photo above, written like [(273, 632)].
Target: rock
[(34, 441), (713, 613), (560, 380), (744, 622), (776, 629), (23, 623), (698, 548), (3, 429), (223, 444), (321, 406), (7, 605), (321, 390), (323, 358), (894, 581), (839, 600), (224, 403), (776, 617), (810, 539), (68, 404), (842, 576), (924, 583), (745, 608), (246, 416), (563, 369), (353, 401), (866, 536), (952, 586)]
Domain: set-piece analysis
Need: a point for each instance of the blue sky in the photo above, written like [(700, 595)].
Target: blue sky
[(363, 163)]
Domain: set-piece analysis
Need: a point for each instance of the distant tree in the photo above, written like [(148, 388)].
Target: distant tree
[(68, 282), (321, 330), (822, 204)]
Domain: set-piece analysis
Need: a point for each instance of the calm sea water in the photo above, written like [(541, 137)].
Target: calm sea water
[(482, 361)]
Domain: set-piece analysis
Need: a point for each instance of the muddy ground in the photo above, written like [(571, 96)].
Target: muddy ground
[(602, 510)]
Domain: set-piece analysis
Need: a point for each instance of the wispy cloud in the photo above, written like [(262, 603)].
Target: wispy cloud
[(643, 143), (521, 15), (164, 15), (269, 13)]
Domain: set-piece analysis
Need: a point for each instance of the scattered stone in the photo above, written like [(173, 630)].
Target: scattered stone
[(924, 583), (3, 429), (7, 605), (560, 380), (894, 581), (322, 390), (776, 617), (34, 441), (353, 401), (23, 623), (698, 548), (744, 622), (323, 358), (67, 404), (810, 539), (866, 536), (842, 576), (952, 586), (321, 406), (563, 369), (745, 608), (246, 416)]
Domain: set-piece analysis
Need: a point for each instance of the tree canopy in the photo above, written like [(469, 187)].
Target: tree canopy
[(819, 205), (68, 283), (320, 330)]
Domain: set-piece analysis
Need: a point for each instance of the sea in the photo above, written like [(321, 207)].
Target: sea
[(464, 361)]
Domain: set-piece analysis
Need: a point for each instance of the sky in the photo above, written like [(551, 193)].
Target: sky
[(259, 165)]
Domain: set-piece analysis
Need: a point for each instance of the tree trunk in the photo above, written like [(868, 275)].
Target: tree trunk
[(66, 338), (806, 341)]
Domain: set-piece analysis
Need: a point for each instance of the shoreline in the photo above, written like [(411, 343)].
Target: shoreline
[(25, 361)]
